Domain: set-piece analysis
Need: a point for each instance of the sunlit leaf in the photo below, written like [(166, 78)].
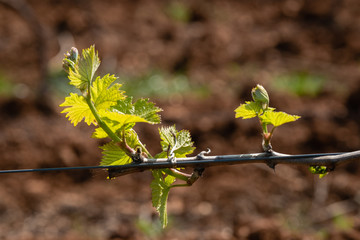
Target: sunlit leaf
[(77, 109), (125, 114), (277, 118), (113, 154), (104, 93), (142, 108), (120, 119), (248, 110)]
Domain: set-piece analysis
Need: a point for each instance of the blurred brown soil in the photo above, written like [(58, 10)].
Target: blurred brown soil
[(229, 46)]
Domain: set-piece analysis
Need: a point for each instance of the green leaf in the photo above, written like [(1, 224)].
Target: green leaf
[(169, 180), (125, 106), (116, 122), (248, 110), (104, 93), (277, 118), (321, 170), (147, 110), (120, 120), (77, 109), (142, 108), (85, 69), (179, 142), (125, 114), (114, 155), (156, 185), (160, 187), (100, 133)]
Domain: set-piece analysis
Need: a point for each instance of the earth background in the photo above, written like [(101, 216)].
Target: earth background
[(198, 60)]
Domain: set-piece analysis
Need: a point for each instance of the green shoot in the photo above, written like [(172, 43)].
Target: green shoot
[(103, 104), (266, 115), (322, 171)]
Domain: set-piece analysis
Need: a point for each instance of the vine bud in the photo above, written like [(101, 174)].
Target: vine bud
[(73, 54), (260, 95), (67, 65), (70, 59)]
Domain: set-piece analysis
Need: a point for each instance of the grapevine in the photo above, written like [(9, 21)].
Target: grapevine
[(105, 105)]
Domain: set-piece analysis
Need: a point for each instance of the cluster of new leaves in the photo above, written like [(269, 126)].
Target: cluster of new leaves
[(259, 107), (322, 171), (103, 104), (267, 115), (180, 145)]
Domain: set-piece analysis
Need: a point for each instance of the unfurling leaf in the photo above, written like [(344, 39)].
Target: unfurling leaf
[(72, 55), (70, 60), (160, 187), (277, 118), (321, 170), (85, 69), (178, 142)]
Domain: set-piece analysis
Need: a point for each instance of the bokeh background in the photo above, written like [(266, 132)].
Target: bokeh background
[(198, 60)]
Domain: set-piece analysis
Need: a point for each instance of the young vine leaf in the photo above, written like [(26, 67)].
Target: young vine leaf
[(77, 109), (179, 143), (125, 114), (103, 96), (322, 171), (85, 69), (113, 154), (105, 105), (160, 187), (248, 110), (277, 118)]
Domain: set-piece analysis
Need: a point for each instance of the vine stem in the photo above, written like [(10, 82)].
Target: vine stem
[(272, 158), (330, 160), (98, 119), (144, 149)]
